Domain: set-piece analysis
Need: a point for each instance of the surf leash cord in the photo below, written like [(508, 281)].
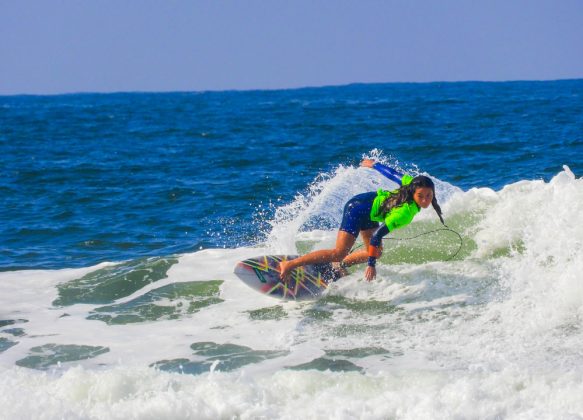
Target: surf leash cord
[(446, 229)]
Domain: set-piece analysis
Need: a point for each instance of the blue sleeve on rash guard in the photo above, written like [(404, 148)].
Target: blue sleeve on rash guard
[(390, 173), (377, 237)]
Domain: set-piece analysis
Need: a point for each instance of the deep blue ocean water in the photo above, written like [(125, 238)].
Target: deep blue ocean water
[(87, 178), (168, 192)]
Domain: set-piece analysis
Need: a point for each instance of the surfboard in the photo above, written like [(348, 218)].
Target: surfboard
[(304, 283)]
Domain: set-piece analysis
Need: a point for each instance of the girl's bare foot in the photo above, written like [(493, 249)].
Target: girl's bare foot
[(283, 269), (339, 269)]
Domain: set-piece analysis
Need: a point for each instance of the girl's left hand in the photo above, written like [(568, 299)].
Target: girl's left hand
[(367, 163), (370, 273)]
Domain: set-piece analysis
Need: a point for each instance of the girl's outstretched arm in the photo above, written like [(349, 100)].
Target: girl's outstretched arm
[(384, 170), (375, 250)]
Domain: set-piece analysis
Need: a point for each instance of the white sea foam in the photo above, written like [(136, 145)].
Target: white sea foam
[(496, 333), (122, 393)]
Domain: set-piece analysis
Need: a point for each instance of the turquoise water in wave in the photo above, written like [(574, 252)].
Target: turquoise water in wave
[(123, 216), (91, 178)]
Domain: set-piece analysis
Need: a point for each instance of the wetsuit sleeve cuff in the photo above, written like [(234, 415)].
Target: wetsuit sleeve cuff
[(372, 261)]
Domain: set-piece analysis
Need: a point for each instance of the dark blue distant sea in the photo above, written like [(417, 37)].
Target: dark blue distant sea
[(87, 178)]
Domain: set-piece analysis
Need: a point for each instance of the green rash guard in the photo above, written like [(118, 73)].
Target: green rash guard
[(398, 216)]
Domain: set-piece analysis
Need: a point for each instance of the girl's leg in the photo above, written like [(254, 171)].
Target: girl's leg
[(360, 256), (344, 242)]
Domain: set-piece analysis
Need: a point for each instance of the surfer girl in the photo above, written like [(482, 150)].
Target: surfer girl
[(373, 215)]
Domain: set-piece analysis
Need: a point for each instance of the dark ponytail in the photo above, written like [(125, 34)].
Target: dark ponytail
[(437, 208), (405, 194)]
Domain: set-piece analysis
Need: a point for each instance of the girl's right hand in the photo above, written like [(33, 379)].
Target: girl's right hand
[(370, 273)]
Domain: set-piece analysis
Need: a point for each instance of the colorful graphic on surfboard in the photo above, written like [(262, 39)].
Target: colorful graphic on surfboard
[(304, 283)]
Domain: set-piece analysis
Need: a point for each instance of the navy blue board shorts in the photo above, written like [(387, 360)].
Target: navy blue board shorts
[(356, 216)]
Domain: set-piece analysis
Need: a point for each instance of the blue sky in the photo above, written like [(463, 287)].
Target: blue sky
[(62, 46)]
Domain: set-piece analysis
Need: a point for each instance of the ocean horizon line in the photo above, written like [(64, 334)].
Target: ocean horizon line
[(284, 89)]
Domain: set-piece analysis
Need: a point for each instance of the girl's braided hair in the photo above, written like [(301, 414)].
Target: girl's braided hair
[(405, 194)]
